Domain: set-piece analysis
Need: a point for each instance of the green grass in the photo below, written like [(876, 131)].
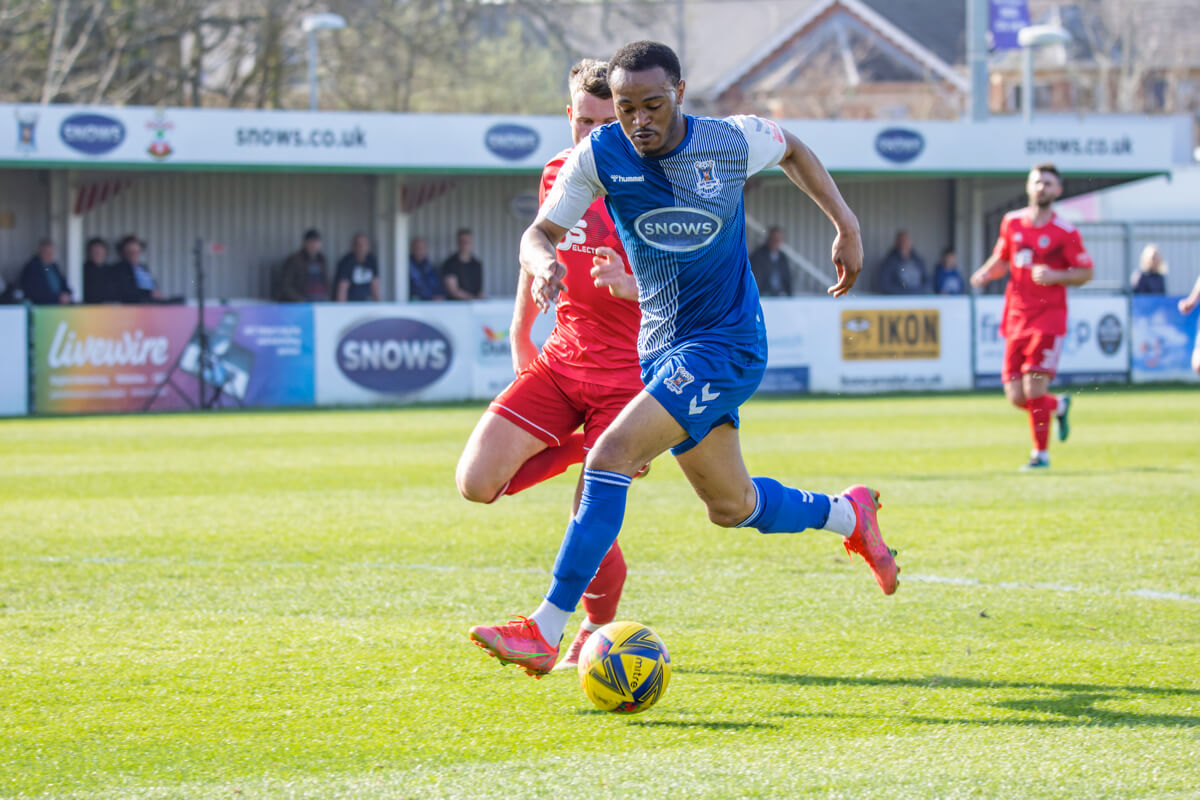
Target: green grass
[(275, 606)]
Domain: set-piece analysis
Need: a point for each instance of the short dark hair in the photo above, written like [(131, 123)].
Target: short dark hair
[(1048, 166), (45, 241), (311, 233), (591, 76), (644, 55), (461, 231), (96, 240), (126, 240)]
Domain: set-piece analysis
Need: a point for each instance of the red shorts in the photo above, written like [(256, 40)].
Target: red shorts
[(1031, 351), (552, 406)]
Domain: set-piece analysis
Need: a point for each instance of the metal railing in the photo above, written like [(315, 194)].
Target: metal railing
[(1116, 247)]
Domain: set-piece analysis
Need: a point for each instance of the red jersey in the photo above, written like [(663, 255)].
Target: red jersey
[(1029, 305), (595, 335)]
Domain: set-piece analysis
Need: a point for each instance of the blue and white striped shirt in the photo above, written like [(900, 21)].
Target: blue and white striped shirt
[(681, 218)]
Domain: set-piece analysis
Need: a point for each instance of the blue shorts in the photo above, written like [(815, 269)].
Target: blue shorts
[(703, 383)]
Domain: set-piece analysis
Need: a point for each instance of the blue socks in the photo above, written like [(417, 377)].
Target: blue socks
[(590, 535), (784, 510)]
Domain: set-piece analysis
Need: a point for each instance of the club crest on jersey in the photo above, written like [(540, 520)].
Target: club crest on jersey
[(1043, 241), (708, 184), (677, 382)]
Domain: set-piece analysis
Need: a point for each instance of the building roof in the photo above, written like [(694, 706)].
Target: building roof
[(721, 38)]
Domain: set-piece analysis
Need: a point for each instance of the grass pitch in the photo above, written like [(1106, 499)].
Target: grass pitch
[(276, 606)]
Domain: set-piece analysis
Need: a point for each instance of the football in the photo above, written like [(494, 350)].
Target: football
[(624, 667)]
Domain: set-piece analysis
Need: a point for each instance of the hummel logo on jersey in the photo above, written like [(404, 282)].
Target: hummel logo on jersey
[(679, 380), (709, 185), (628, 178)]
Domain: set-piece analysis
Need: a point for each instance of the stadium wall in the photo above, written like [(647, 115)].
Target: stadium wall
[(117, 359), (24, 217)]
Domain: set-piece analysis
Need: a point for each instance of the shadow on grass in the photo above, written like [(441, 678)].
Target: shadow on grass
[(710, 725), (696, 724), (1074, 706)]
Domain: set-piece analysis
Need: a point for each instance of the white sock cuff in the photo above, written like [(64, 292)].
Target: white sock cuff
[(843, 518)]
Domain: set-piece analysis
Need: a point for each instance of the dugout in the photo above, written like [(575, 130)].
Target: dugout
[(253, 181)]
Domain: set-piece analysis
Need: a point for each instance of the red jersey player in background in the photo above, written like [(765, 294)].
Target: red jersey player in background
[(1044, 255), (586, 373)]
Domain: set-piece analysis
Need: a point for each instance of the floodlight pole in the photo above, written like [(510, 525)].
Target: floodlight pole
[(312, 70), (1029, 38), (310, 24), (1027, 84)]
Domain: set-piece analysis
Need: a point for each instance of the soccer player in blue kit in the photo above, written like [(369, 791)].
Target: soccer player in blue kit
[(673, 185)]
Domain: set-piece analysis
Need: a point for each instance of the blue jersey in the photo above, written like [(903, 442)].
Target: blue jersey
[(681, 217)]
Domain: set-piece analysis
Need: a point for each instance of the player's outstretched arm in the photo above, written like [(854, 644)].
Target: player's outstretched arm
[(805, 170), (538, 259), (1192, 300)]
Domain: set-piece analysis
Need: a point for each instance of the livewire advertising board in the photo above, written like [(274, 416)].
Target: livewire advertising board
[(1096, 349), (106, 359), (14, 366)]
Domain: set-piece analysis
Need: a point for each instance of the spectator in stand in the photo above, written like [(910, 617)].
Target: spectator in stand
[(1151, 274), (770, 266), (135, 283), (304, 276), (101, 280), (462, 274), (357, 276), (424, 282), (902, 270), (41, 279), (946, 277)]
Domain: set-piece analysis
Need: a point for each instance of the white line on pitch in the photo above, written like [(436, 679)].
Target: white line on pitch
[(1146, 594)]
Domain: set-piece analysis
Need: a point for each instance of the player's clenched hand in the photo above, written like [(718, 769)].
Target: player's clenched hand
[(981, 277), (547, 285), (1186, 305), (608, 271), (1042, 275), (847, 259)]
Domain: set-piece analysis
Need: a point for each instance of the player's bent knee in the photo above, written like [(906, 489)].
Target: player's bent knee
[(726, 513), (609, 453), (475, 487)]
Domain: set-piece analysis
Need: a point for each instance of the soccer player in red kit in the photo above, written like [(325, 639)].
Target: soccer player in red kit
[(587, 370), (1044, 255)]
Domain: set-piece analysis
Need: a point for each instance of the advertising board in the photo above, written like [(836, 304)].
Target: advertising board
[(1163, 340), (14, 358), (106, 359), (1095, 350)]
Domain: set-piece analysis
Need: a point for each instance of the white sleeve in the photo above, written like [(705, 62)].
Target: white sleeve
[(766, 141), (575, 188)]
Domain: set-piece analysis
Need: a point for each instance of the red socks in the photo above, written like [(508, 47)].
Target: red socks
[(546, 464), (604, 592), (1040, 411)]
